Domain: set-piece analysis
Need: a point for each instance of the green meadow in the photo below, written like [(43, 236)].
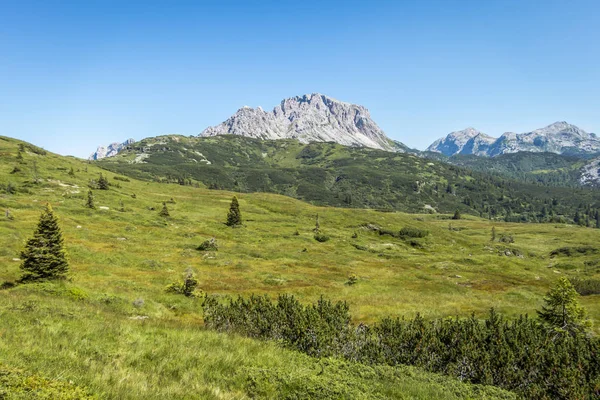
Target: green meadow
[(112, 330)]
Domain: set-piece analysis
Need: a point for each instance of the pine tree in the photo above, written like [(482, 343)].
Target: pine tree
[(234, 217), (165, 211), (44, 256), (456, 215), (90, 200), (102, 183), (561, 311)]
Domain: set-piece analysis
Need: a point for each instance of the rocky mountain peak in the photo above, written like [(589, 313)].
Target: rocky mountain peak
[(467, 141), (309, 118)]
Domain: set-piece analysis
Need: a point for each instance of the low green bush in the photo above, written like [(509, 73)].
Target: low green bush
[(408, 232), (320, 237)]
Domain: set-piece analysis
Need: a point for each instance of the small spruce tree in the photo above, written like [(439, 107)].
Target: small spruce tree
[(102, 183), (561, 311), (234, 216), (456, 215), (90, 200), (44, 256), (493, 239), (165, 211)]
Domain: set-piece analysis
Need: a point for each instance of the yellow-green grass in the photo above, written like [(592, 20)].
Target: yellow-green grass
[(69, 335), (134, 254)]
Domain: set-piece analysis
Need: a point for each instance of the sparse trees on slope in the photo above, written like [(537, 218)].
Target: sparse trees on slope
[(44, 256), (234, 216)]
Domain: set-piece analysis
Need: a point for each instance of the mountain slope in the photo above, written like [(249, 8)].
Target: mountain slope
[(560, 137), (331, 174), (309, 118)]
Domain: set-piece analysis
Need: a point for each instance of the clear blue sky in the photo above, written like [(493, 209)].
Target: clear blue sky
[(77, 74)]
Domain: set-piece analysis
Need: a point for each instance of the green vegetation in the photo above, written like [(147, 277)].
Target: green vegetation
[(334, 175), (89, 203), (234, 216), (44, 256), (561, 312), (187, 287), (17, 384), (164, 212), (514, 355), (115, 330), (549, 169)]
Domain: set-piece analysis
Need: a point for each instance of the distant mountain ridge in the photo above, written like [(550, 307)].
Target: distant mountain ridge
[(111, 150), (309, 118), (559, 137)]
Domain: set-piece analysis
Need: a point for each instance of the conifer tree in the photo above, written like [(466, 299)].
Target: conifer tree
[(234, 216), (165, 211), (90, 200), (456, 215), (493, 234), (72, 172), (44, 256), (561, 311), (102, 183)]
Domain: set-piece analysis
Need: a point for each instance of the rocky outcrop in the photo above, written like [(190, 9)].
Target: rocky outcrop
[(111, 150)]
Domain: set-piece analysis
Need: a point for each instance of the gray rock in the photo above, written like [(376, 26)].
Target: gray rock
[(560, 137), (308, 118), (111, 150)]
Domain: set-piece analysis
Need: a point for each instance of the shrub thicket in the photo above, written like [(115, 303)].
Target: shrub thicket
[(586, 287), (519, 355), (407, 232)]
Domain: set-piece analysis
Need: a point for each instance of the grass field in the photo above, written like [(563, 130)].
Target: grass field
[(89, 331)]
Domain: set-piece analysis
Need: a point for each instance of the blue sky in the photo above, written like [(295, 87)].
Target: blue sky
[(77, 74)]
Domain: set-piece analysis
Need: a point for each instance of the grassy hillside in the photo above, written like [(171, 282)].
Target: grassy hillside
[(331, 174), (114, 330)]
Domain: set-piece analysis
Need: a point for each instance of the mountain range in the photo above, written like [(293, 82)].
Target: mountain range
[(317, 118), (559, 137)]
